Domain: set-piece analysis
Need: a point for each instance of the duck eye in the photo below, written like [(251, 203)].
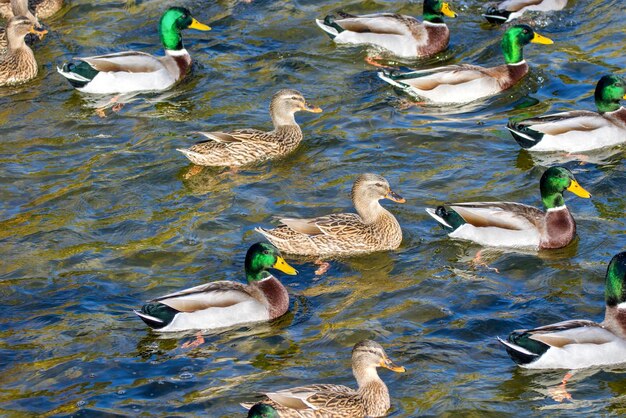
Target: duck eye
[(379, 185), (266, 252)]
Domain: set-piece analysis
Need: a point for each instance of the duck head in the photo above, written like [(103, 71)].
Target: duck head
[(554, 181), (260, 258), (515, 38), (609, 91)]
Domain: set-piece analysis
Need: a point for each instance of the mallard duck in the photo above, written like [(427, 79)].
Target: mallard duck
[(19, 8), (129, 71), (224, 303), (42, 8), (262, 410), (373, 229), (512, 9), (579, 130), (18, 63), (404, 36), (576, 344), (514, 225), (371, 399), (246, 146), (465, 83)]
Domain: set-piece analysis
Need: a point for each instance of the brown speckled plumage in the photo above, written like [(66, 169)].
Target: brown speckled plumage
[(247, 146), (42, 8), (371, 399), (17, 63), (372, 229)]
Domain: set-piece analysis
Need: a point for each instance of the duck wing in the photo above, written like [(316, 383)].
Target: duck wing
[(315, 397), (381, 23), (128, 61), (507, 215), (575, 331), (236, 136), (216, 294), (450, 74), (335, 224), (560, 123), (517, 5)]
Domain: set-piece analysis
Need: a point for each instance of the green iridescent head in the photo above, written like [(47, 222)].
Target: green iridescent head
[(554, 181), (262, 410), (615, 292), (609, 91), (434, 10), (173, 21), (515, 38), (263, 256)]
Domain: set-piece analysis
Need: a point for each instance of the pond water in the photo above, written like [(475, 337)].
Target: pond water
[(96, 217)]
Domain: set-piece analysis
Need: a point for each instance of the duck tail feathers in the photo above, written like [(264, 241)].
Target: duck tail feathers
[(329, 26), (79, 74), (494, 15), (525, 137), (448, 219)]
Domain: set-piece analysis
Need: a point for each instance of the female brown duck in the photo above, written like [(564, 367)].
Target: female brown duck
[(18, 64), (371, 399)]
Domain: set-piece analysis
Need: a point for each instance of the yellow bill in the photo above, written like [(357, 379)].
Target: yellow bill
[(447, 11), (39, 32), (624, 97), (388, 364), (540, 39), (577, 189), (197, 25), (282, 265), (313, 109), (391, 195)]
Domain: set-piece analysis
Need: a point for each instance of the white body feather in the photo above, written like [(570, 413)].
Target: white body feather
[(544, 6)]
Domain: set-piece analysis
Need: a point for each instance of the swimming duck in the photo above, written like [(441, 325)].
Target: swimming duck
[(18, 64), (371, 399), (515, 225), (512, 9), (129, 71), (371, 229), (224, 303), (19, 8), (465, 83), (576, 344), (579, 130), (42, 8), (404, 36), (246, 146)]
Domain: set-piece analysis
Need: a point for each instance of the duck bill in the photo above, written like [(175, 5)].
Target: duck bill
[(447, 11), (282, 265), (388, 364), (540, 39), (391, 195), (577, 189), (313, 109), (39, 32), (198, 26), (624, 97)]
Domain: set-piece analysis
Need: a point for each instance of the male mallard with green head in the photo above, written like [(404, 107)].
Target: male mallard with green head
[(515, 225), (403, 36), (18, 64), (130, 71), (372, 228), (465, 83), (224, 303), (577, 344), (247, 146), (512, 9), (371, 399), (579, 130)]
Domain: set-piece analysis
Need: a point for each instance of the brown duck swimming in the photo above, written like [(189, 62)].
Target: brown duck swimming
[(19, 8), (514, 225), (371, 399), (247, 146), (18, 63), (372, 228)]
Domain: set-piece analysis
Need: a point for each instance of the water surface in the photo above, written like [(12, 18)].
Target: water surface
[(96, 217)]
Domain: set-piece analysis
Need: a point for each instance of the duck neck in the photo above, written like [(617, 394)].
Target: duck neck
[(281, 118), (512, 49), (16, 43), (552, 200), (255, 274), (170, 34), (615, 320), (372, 390), (369, 210), (605, 106), (276, 296)]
